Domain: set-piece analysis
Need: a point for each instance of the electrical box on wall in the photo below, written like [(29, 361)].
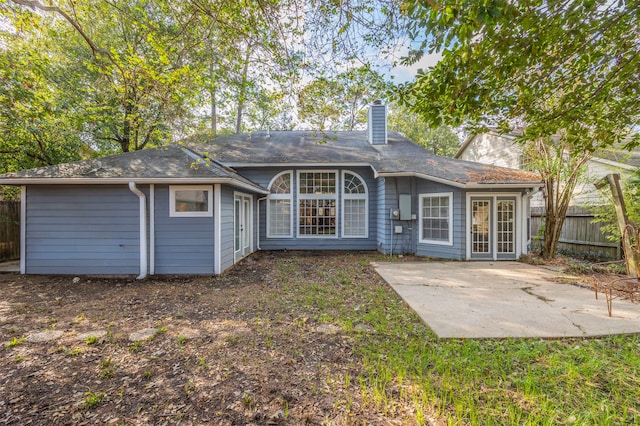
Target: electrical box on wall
[(405, 206), (398, 229), (394, 214)]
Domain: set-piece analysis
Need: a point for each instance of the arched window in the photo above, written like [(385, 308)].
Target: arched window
[(279, 219), (355, 217)]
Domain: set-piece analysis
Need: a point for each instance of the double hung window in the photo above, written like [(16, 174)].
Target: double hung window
[(436, 217), (279, 211), (354, 206)]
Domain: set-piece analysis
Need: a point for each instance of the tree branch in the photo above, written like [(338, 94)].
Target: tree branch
[(34, 4)]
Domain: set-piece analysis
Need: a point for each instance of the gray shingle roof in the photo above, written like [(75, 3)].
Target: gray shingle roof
[(399, 156), (162, 164)]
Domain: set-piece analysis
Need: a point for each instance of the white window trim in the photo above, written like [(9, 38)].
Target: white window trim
[(333, 196), (172, 200), (364, 197), (288, 197), (449, 242)]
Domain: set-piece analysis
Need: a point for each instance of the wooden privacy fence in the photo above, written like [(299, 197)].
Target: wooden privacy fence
[(9, 230), (579, 235)]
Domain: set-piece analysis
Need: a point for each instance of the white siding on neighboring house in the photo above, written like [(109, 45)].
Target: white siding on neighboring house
[(495, 149), (501, 150)]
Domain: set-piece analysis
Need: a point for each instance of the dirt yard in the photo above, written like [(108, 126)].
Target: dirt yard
[(256, 346)]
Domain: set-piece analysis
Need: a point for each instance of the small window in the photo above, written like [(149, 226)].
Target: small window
[(436, 217), (190, 201)]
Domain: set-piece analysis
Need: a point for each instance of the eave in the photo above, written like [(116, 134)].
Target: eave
[(125, 181)]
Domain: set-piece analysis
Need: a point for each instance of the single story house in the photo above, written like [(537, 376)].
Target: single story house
[(200, 206), (502, 150)]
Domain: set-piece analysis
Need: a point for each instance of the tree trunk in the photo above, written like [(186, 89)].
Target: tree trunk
[(212, 93), (214, 112), (630, 255), (242, 91), (125, 139)]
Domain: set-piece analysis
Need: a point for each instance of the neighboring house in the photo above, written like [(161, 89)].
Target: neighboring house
[(502, 150), (201, 206)]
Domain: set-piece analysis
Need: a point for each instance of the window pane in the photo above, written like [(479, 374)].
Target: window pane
[(435, 218), (279, 218), (505, 232), (317, 217), (353, 184), (355, 218), (282, 185), (191, 200), (318, 183)]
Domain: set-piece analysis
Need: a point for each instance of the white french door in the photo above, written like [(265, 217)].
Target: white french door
[(242, 218), (492, 227)]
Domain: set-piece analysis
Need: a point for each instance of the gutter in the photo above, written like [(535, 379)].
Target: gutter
[(111, 181), (468, 185), (143, 230)]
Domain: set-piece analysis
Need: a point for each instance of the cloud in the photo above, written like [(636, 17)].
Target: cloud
[(402, 73)]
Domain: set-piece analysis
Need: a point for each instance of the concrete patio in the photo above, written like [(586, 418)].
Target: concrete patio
[(504, 299)]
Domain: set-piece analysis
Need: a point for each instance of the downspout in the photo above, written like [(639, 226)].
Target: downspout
[(143, 230), (258, 221)]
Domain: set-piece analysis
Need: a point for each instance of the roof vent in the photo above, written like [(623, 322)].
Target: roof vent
[(377, 123)]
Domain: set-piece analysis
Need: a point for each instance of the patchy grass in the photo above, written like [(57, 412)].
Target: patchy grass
[(15, 342), (510, 381), (295, 338)]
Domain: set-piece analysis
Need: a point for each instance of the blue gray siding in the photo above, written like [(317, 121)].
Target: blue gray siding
[(183, 245), (404, 242), (82, 229), (408, 240), (383, 215), (458, 249), (263, 176), (377, 122), (226, 231)]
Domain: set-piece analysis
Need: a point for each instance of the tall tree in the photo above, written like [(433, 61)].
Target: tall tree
[(561, 167), (135, 62), (440, 140), (339, 102), (38, 125), (552, 65)]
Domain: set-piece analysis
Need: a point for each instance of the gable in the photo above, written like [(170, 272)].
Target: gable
[(492, 148)]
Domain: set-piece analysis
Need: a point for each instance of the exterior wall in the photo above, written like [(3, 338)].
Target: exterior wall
[(183, 245), (490, 148), (82, 229), (263, 176), (404, 242), (383, 215), (408, 240), (458, 249), (226, 228)]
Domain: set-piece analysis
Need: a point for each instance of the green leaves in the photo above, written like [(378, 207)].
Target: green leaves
[(553, 65)]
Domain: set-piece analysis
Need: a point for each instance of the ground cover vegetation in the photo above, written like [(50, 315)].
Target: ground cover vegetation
[(286, 338)]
